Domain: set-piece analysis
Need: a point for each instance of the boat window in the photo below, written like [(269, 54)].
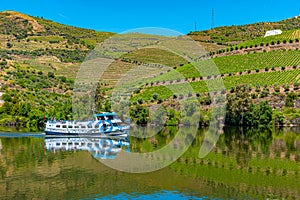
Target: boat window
[(102, 118), (57, 126), (76, 143), (70, 143), (110, 117), (64, 143), (82, 144), (76, 126), (83, 126), (89, 126), (57, 144), (64, 126), (70, 126)]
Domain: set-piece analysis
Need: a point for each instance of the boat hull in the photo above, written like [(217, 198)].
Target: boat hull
[(94, 134)]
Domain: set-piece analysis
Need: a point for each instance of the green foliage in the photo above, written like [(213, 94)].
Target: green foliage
[(28, 107), (51, 75), (259, 115), (289, 102), (173, 117), (6, 97), (140, 114), (238, 104), (278, 117), (241, 110)]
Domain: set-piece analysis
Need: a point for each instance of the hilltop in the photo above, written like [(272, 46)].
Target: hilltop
[(230, 35), (45, 45)]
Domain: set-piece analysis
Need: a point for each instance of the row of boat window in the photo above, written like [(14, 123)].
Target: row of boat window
[(70, 143), (71, 126), (89, 126)]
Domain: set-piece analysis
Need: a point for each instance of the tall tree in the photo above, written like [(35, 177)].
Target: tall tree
[(237, 105)]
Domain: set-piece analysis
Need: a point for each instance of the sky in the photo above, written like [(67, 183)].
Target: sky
[(179, 15)]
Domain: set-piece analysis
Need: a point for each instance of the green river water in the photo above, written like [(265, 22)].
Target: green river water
[(244, 164)]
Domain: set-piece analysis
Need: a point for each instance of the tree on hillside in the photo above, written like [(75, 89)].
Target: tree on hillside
[(289, 102), (259, 115), (140, 114), (237, 105)]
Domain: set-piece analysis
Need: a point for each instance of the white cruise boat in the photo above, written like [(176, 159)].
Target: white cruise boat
[(103, 124)]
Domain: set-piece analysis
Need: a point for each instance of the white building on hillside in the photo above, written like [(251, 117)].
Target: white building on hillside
[(273, 32)]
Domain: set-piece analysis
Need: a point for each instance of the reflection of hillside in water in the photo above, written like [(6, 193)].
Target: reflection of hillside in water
[(101, 148)]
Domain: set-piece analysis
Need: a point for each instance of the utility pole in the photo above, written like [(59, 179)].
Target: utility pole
[(212, 19)]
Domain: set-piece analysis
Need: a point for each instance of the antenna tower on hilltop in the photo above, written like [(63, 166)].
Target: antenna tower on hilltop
[(212, 19)]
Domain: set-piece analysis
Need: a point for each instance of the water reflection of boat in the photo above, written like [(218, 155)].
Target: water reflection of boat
[(106, 123), (101, 148)]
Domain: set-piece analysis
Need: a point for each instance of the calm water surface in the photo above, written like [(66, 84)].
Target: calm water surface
[(245, 164)]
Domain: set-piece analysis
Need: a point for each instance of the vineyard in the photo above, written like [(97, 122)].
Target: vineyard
[(269, 79), (232, 64), (254, 61), (253, 80)]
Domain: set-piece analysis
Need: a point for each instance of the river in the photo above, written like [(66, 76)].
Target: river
[(244, 164)]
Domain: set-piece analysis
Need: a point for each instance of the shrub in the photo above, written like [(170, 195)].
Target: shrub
[(155, 96), (51, 75), (289, 102), (232, 89), (140, 101)]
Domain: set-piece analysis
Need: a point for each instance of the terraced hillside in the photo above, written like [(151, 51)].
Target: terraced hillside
[(39, 60), (272, 76), (45, 45)]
